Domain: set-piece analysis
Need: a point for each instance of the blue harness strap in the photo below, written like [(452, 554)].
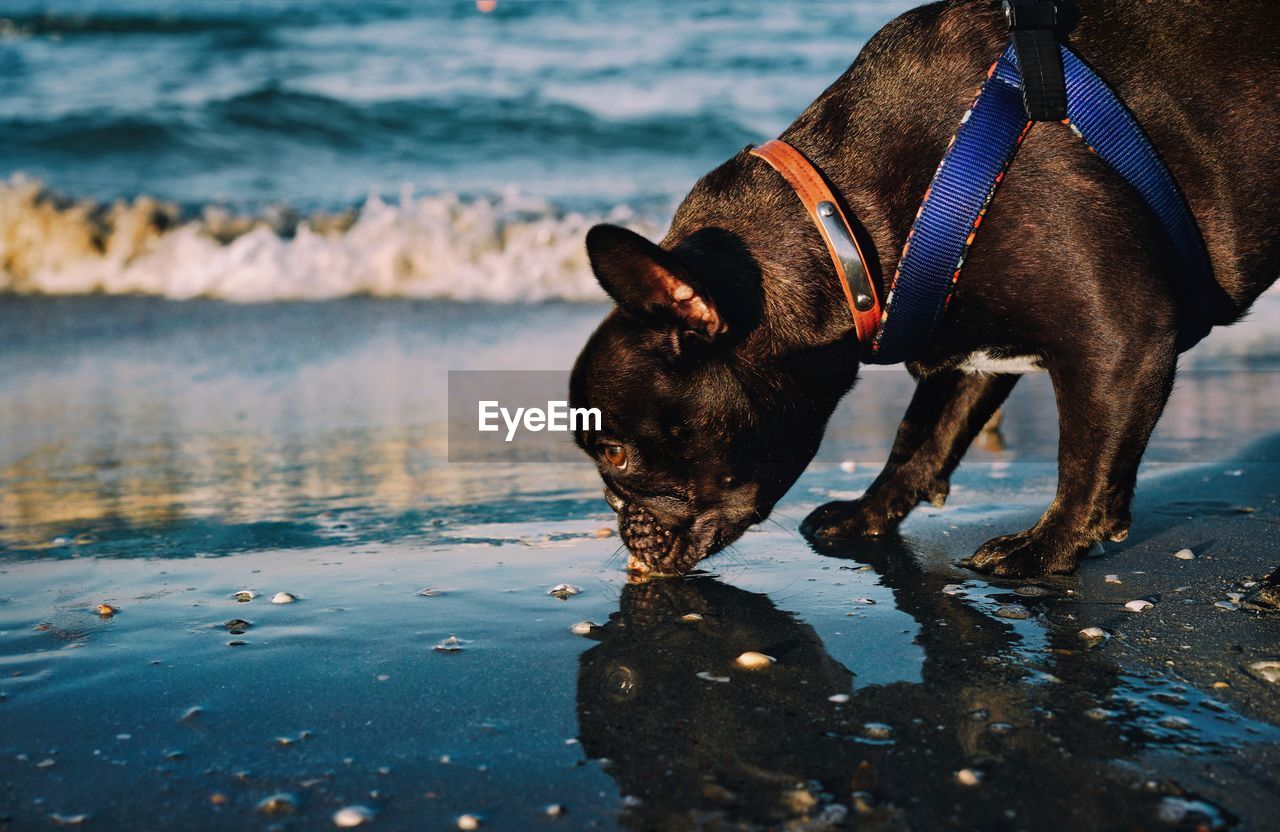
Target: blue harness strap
[(982, 149)]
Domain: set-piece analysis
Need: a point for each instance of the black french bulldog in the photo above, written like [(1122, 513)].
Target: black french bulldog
[(731, 343)]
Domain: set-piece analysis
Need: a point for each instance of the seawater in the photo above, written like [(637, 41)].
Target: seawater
[(448, 152)]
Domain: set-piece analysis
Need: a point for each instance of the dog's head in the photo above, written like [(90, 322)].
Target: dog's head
[(705, 422)]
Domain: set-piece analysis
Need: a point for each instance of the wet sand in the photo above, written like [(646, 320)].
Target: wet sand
[(161, 457)]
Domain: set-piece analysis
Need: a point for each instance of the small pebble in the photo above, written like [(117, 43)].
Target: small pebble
[(602, 532), (1095, 551), (237, 626), (1098, 714), (751, 660), (584, 628), (106, 610), (1138, 606), (350, 816), (1033, 591), (848, 466), (952, 589), (468, 822), (708, 676), (866, 601), (191, 714), (838, 698), (555, 810), (1000, 728), (245, 595), (1013, 611), (1184, 554), (691, 617), (1113, 579), (968, 777), (1268, 670), (563, 592), (237, 643), (1226, 605), (283, 598), (1092, 634), (48, 762)]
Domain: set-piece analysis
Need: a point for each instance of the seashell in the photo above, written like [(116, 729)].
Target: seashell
[(584, 628), (555, 810), (244, 596), (968, 777), (952, 589), (431, 592), (282, 803), (450, 645), (1139, 605), (1092, 634), (563, 591), (1184, 554), (1112, 579), (877, 730), (106, 610), (691, 617), (283, 598), (708, 676), (1268, 670), (468, 822), (838, 698), (351, 816), (751, 660), (68, 820)]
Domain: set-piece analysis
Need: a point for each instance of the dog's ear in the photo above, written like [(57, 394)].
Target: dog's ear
[(650, 283)]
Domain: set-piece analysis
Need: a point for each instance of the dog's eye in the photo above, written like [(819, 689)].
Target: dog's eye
[(615, 455)]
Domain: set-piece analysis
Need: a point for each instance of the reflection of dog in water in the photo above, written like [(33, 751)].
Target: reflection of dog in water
[(702, 743)]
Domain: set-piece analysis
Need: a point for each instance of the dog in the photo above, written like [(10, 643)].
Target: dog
[(731, 343)]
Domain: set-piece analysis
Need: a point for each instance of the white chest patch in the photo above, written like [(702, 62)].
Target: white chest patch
[(982, 362)]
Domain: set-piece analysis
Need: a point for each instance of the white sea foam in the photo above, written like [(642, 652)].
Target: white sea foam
[(509, 249)]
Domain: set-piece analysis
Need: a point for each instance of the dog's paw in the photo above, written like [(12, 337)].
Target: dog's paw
[(1029, 554), (847, 518)]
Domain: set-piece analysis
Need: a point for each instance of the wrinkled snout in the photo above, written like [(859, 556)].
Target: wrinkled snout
[(660, 547)]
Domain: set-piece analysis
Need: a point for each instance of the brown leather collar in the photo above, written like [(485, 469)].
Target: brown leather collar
[(842, 245)]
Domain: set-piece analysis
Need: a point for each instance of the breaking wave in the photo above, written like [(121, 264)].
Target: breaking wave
[(506, 249)]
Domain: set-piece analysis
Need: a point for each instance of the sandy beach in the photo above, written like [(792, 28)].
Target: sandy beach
[(150, 471)]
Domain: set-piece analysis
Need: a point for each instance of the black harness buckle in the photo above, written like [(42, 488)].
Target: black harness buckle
[(1035, 26)]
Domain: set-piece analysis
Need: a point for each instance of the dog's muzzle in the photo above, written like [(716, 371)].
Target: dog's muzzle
[(654, 549)]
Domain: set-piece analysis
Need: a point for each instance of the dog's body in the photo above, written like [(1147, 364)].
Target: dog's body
[(733, 343)]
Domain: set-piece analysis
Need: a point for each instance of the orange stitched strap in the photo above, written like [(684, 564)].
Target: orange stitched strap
[(813, 191)]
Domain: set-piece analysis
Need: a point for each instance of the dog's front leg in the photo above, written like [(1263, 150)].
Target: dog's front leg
[(948, 410), (1108, 404)]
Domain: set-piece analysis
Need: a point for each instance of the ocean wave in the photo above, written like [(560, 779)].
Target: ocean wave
[(507, 249)]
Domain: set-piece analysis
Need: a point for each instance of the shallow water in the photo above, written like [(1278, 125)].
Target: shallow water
[(160, 457)]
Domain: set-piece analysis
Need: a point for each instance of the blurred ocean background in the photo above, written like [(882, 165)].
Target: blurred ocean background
[(309, 149)]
